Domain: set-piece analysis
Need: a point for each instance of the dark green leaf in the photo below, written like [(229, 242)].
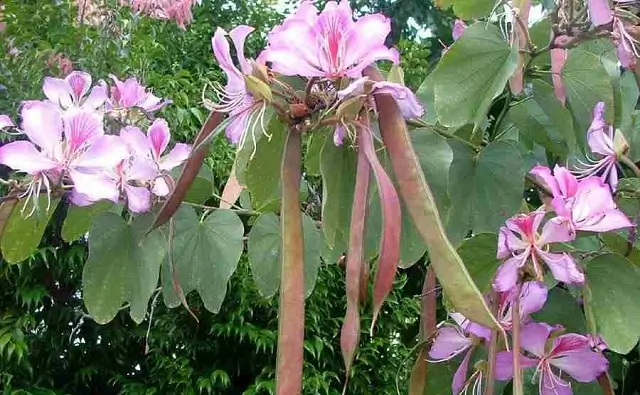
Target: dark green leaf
[(587, 82), (488, 186), (21, 235), (471, 74), (614, 292), (479, 256), (205, 254), (123, 266), (264, 243), (562, 308), (469, 9), (78, 220)]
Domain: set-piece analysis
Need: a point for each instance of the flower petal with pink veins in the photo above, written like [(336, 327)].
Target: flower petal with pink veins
[(551, 384), (138, 199), (24, 156), (97, 97), (136, 141), (532, 298), (58, 92), (533, 338), (95, 186), (158, 135), (471, 327), (507, 274), (238, 36), (79, 82), (80, 128), (222, 52), (563, 267), (175, 157), (504, 365), (448, 343), (460, 377), (557, 230), (105, 152), (42, 124)]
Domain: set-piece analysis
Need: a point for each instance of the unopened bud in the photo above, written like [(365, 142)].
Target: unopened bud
[(258, 88), (620, 144), (260, 71)]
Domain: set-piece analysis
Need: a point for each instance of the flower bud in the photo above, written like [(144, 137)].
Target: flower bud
[(620, 144), (258, 88)]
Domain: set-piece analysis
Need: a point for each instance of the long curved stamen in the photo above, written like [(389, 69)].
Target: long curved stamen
[(256, 118), (226, 101)]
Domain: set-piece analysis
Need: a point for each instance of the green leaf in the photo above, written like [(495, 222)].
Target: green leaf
[(78, 220), (468, 9), (614, 294), (587, 83), (21, 235), (540, 33), (543, 120), (123, 266), (338, 167), (263, 172), (202, 187), (205, 255), (628, 99), (425, 94), (247, 151), (479, 256), (471, 74), (562, 308), (488, 186), (435, 157), (264, 243)]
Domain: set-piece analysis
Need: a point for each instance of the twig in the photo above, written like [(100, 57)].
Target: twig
[(629, 163)]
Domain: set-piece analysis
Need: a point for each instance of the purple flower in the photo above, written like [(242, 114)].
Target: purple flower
[(458, 28), (606, 143), (72, 91), (533, 296), (6, 122), (586, 204), (453, 340), (569, 354), (519, 242), (152, 147), (599, 12), (60, 145), (130, 93), (329, 44), (245, 109)]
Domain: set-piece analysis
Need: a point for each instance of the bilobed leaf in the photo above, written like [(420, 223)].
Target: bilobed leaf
[(479, 256), (21, 234), (78, 220), (488, 186), (587, 83), (314, 150), (263, 172), (542, 119), (338, 167), (263, 248), (471, 74), (202, 186), (205, 254), (628, 99), (468, 9), (614, 292), (123, 266)]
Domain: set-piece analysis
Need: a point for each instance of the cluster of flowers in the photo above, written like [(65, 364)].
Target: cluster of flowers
[(328, 47), (85, 139), (178, 11), (582, 203)]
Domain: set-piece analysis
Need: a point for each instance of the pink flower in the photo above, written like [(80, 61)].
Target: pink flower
[(458, 28), (626, 43), (152, 147), (599, 12), (245, 110), (6, 122), (72, 91), (533, 296), (130, 93), (558, 59), (587, 204), (453, 340), (602, 141), (61, 146), (176, 10), (330, 44), (519, 242), (569, 354)]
